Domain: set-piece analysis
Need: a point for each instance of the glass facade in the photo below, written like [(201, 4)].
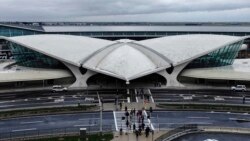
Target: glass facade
[(29, 58), (221, 57), (11, 31)]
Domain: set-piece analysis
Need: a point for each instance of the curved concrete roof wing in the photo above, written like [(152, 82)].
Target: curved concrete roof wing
[(127, 62), (125, 59), (182, 48), (71, 49)]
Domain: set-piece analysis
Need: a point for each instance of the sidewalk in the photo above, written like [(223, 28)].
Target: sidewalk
[(132, 136)]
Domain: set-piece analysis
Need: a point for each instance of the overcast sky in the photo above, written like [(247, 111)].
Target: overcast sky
[(126, 10)]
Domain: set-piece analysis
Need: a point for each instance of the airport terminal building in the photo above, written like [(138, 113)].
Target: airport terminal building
[(120, 56)]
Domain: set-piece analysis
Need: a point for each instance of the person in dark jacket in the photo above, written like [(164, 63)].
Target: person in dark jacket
[(147, 131)]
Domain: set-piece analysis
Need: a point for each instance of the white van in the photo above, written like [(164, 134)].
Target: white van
[(59, 88)]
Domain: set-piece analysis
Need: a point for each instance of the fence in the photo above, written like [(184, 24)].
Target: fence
[(32, 133)]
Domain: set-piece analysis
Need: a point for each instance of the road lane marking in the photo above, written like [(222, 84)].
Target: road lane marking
[(187, 97), (58, 100), (88, 118), (128, 99), (84, 125), (161, 99), (2, 102), (207, 123), (30, 122), (116, 127), (3, 106), (76, 114), (18, 130), (200, 117), (218, 98), (232, 118), (228, 113), (203, 123)]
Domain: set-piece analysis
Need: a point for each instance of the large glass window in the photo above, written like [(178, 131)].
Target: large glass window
[(221, 57), (29, 58), (11, 31)]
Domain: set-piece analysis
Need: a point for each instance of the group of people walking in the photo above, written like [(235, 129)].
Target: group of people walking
[(136, 120)]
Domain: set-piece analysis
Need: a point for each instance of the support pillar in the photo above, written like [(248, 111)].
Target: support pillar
[(81, 79), (172, 77)]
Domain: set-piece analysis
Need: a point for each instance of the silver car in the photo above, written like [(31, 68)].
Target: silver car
[(239, 88), (59, 88)]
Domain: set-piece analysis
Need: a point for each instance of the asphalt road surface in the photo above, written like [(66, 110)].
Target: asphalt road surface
[(171, 119), (72, 122), (39, 99), (200, 96), (11, 101), (54, 123)]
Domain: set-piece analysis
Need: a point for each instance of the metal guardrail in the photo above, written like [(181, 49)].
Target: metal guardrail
[(178, 131), (224, 129), (187, 129), (32, 133), (179, 134)]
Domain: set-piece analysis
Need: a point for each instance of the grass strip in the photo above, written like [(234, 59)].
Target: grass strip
[(43, 111), (91, 137), (208, 107)]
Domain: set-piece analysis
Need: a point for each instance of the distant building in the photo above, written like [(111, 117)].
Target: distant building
[(136, 31)]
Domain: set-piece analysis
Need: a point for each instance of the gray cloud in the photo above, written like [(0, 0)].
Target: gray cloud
[(100, 9)]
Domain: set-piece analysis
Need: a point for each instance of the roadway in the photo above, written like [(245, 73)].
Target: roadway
[(72, 122), (54, 123), (200, 96), (39, 99), (171, 119)]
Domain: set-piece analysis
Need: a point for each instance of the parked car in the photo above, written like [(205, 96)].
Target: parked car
[(89, 99), (239, 88), (59, 88)]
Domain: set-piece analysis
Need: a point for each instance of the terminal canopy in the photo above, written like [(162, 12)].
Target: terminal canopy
[(125, 59)]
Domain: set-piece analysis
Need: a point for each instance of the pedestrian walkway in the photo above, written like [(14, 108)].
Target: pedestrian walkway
[(132, 136), (144, 95), (133, 120)]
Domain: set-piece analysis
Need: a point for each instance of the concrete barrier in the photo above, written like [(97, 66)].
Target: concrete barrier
[(224, 129)]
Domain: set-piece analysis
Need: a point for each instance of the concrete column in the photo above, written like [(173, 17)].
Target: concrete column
[(172, 78), (81, 79)]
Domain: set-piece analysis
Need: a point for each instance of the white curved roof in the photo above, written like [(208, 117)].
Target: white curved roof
[(183, 48), (69, 48), (125, 59), (33, 75), (239, 70)]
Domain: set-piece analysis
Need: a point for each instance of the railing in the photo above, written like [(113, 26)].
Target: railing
[(192, 128), (32, 133), (178, 131), (225, 129)]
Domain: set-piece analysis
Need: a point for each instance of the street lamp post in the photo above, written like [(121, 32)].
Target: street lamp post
[(101, 108)]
